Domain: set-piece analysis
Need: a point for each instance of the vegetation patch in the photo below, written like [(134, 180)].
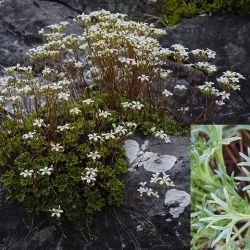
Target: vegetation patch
[(220, 187), (175, 10)]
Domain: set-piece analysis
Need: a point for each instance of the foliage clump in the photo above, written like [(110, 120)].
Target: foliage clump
[(220, 203), (175, 10)]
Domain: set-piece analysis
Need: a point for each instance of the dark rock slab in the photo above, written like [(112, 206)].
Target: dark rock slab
[(20, 21), (142, 223), (229, 36)]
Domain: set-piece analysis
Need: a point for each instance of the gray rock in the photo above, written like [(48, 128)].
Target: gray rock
[(141, 223), (178, 197)]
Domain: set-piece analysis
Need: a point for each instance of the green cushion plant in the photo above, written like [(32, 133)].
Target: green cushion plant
[(175, 10)]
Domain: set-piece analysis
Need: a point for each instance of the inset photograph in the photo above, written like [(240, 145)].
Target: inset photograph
[(220, 187)]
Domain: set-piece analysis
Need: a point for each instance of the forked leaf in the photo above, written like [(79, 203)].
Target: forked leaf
[(227, 141)]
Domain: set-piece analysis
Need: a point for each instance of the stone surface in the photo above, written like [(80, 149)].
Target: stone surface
[(142, 223), (138, 157), (178, 197), (160, 163), (229, 37)]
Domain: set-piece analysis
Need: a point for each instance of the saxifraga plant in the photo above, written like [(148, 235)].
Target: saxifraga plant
[(60, 141), (124, 59), (221, 216)]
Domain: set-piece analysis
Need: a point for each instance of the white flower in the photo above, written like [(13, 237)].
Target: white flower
[(27, 173), (110, 135), (75, 111), (180, 51), (56, 147), (223, 80), (63, 96), (46, 170), (210, 53), (183, 109), (88, 178), (178, 47), (131, 124), (143, 78), (91, 171), (89, 175), (224, 95), (180, 87), (94, 155), (153, 129), (26, 89), (196, 52), (229, 80), (47, 71), (143, 184), (207, 67), (64, 127), (120, 130), (219, 103), (233, 75), (149, 191), (137, 105), (56, 211), (78, 65), (141, 190), (14, 98), (165, 74), (94, 137), (87, 101), (166, 180), (167, 93), (162, 135), (155, 177), (126, 104), (236, 87), (103, 113), (145, 190), (39, 123), (29, 135)]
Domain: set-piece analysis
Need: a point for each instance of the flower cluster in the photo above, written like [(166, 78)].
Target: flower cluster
[(133, 105), (160, 134), (229, 80), (89, 175), (105, 45), (146, 190), (164, 180), (156, 179), (42, 171)]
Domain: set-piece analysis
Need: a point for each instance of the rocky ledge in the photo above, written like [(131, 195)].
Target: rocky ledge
[(142, 223)]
